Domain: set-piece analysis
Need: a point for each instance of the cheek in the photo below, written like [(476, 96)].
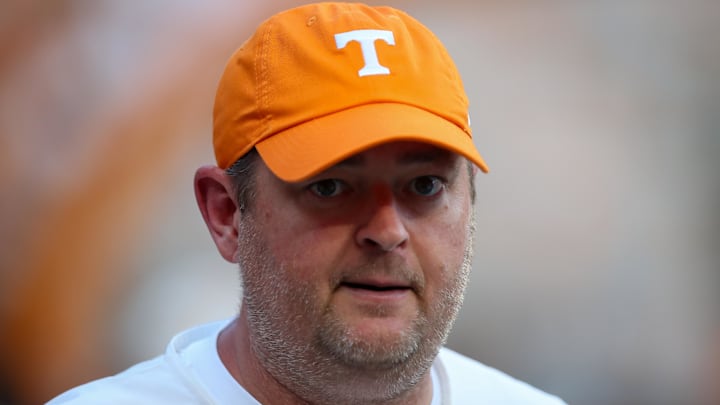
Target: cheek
[(305, 247), (441, 247), (441, 255)]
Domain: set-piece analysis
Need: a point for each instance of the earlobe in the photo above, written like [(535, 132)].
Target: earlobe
[(214, 195)]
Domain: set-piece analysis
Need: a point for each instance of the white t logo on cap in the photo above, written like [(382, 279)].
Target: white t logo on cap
[(367, 39)]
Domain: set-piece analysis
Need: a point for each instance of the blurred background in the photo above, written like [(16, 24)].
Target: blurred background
[(597, 268)]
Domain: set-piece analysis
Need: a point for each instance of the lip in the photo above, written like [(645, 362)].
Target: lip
[(379, 290), (377, 283)]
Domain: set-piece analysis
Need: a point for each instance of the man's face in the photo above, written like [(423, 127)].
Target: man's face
[(358, 272)]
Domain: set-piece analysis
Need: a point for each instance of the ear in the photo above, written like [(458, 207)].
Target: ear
[(214, 195)]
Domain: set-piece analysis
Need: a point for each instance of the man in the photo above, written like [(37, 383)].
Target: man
[(344, 191)]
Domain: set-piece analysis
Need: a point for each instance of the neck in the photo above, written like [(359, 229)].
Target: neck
[(240, 359)]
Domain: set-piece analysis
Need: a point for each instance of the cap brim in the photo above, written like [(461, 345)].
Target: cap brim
[(309, 148)]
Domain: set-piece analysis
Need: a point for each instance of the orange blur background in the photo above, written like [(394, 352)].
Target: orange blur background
[(597, 269)]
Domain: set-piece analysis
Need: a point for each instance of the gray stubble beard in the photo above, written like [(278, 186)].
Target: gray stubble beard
[(328, 366)]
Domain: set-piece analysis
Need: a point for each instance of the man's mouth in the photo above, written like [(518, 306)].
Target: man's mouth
[(375, 287), (375, 291)]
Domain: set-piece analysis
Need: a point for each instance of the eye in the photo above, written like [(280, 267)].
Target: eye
[(327, 188), (426, 185)]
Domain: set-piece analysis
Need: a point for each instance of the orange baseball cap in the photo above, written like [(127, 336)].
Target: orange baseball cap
[(319, 83)]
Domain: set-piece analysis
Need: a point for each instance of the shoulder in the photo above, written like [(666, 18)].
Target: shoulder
[(150, 382), (166, 379), (471, 381)]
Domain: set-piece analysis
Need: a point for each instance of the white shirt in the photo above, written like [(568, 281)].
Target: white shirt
[(191, 372)]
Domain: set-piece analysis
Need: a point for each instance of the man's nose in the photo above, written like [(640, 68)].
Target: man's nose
[(383, 226)]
